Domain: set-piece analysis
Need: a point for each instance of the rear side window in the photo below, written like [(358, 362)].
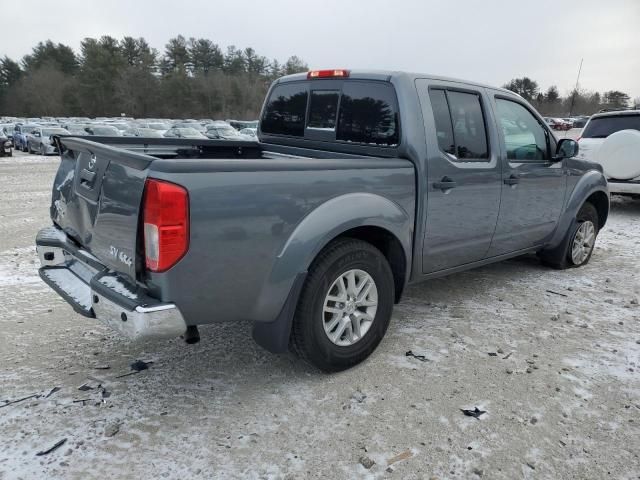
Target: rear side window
[(460, 126), (285, 112), (442, 117), (323, 109), (368, 114), (468, 126), (602, 127)]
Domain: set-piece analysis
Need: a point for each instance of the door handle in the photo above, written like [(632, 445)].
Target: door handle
[(445, 184), (513, 180)]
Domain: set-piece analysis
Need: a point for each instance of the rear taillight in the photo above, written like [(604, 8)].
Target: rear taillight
[(166, 224)]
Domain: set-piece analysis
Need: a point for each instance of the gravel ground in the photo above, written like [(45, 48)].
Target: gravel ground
[(553, 357)]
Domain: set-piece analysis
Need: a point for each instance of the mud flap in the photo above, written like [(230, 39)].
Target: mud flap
[(274, 336)]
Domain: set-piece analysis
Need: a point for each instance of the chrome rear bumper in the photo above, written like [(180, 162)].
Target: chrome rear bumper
[(94, 291)]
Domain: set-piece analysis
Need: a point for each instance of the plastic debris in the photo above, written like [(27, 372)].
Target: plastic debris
[(52, 391), (422, 358), (7, 403), (401, 456), (55, 447), (475, 413), (556, 293)]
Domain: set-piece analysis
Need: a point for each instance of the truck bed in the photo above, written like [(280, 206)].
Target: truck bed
[(251, 210)]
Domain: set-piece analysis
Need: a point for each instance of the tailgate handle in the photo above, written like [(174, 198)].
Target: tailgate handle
[(87, 177)]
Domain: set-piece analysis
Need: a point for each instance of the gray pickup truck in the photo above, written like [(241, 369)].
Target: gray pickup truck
[(362, 182)]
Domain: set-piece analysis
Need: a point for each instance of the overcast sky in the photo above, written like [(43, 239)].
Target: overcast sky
[(490, 41)]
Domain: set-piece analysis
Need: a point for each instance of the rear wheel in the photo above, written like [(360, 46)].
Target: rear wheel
[(345, 306)]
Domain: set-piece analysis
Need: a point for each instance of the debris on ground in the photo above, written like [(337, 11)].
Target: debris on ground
[(476, 412), (7, 403), (492, 354), (102, 367), (366, 462), (422, 358), (401, 456), (111, 429), (557, 293), (55, 447), (52, 391), (358, 396), (507, 355), (136, 367)]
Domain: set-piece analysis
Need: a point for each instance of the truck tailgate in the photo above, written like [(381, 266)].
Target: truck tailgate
[(96, 199)]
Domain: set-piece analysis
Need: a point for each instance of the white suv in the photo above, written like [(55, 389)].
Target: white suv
[(613, 140)]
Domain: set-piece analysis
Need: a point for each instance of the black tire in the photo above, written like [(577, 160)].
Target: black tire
[(308, 337), (587, 213)]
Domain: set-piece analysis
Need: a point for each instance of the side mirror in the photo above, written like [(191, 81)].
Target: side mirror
[(567, 148)]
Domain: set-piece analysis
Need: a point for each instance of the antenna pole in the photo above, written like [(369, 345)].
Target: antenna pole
[(575, 90)]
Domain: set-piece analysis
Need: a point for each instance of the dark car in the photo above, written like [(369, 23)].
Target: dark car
[(362, 183), (6, 146), (7, 129)]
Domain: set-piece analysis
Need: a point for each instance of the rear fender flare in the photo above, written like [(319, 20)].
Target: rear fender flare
[(313, 233)]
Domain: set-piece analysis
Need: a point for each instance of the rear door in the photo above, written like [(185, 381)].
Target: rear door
[(534, 186), (464, 175)]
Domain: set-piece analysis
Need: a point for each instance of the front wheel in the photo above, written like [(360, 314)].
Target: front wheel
[(345, 306), (580, 240)]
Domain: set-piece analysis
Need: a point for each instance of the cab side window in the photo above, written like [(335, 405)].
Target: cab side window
[(525, 139), (460, 124)]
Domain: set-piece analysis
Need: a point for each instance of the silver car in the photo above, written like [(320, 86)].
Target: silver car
[(39, 140)]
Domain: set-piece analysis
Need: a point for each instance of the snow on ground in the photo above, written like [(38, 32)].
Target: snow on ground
[(562, 390)]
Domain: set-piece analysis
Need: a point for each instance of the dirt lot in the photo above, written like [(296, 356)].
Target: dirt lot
[(553, 357)]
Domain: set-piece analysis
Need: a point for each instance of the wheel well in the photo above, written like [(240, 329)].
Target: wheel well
[(390, 247), (601, 202)]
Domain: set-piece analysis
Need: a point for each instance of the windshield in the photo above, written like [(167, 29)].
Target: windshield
[(149, 132), (54, 131), (602, 127), (158, 126), (188, 131), (105, 131)]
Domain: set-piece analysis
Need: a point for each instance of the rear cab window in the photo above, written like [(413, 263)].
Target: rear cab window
[(356, 112), (460, 124), (602, 127)]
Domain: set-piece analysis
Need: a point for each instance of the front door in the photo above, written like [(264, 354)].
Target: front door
[(464, 177), (534, 185)]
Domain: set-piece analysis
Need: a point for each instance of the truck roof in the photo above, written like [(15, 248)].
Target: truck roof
[(387, 75)]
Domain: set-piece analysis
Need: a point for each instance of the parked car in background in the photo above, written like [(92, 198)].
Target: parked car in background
[(20, 133), (142, 132), (6, 146), (612, 139), (192, 124), (103, 131), (249, 132), (183, 132), (76, 129), (580, 122), (7, 129), (557, 123), (313, 233), (223, 133), (39, 140), (240, 124)]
